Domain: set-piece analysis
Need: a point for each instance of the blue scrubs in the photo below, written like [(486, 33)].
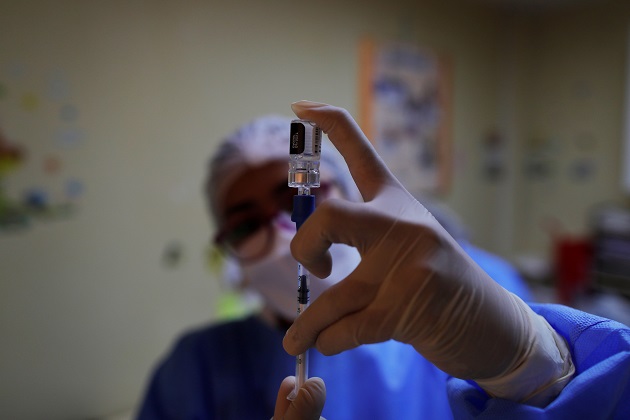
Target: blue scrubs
[(600, 390), (233, 371)]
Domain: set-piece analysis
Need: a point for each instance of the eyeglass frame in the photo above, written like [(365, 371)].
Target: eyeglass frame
[(219, 239)]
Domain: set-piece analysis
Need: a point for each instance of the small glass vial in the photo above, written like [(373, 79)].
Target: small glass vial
[(304, 153)]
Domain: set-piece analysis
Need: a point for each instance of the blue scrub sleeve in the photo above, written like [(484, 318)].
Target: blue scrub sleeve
[(601, 388)]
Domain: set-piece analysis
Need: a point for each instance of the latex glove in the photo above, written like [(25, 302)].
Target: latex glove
[(308, 404), (414, 283)]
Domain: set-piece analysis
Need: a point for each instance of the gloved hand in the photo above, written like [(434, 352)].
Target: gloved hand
[(414, 283), (308, 404)]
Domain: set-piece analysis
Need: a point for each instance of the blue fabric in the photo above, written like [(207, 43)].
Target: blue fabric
[(233, 371), (600, 390)]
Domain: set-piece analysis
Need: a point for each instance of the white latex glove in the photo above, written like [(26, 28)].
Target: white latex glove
[(414, 283), (308, 404)]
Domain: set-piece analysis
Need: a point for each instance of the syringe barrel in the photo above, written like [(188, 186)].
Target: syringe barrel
[(305, 149)]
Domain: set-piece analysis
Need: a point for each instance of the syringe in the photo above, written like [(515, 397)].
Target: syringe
[(304, 152)]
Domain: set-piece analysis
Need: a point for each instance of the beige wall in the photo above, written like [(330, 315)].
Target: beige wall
[(86, 307), (570, 91)]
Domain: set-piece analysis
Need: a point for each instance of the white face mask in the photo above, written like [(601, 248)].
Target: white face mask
[(274, 277)]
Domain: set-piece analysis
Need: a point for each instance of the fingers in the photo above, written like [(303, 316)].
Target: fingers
[(336, 221), (282, 403), (312, 241), (346, 297), (308, 404), (368, 170), (353, 330)]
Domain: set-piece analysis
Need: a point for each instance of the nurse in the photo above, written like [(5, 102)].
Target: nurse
[(414, 284), (231, 370)]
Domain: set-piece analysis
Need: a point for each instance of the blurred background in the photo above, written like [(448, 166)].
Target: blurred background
[(110, 109)]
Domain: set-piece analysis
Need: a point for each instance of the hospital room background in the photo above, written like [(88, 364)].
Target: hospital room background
[(110, 109)]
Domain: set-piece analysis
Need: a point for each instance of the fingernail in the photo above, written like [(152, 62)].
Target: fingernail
[(304, 105)]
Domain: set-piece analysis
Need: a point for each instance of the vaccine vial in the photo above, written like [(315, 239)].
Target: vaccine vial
[(304, 153)]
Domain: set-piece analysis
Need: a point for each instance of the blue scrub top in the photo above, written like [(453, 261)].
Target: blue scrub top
[(233, 371), (600, 349)]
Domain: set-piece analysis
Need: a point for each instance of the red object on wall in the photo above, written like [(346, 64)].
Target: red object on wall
[(573, 262)]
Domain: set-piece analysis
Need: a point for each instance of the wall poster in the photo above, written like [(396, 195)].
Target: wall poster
[(405, 110)]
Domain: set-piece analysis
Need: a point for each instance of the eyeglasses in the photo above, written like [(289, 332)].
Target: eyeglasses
[(250, 238)]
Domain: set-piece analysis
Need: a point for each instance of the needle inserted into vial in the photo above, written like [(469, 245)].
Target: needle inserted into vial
[(304, 155)]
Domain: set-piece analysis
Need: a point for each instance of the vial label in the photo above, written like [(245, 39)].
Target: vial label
[(305, 145), (298, 139), (317, 143)]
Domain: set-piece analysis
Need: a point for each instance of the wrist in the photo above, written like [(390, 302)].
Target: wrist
[(538, 377)]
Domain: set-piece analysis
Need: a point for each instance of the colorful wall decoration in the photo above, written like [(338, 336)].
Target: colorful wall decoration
[(38, 125), (405, 99)]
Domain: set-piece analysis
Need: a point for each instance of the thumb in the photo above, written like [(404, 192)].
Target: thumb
[(308, 404)]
